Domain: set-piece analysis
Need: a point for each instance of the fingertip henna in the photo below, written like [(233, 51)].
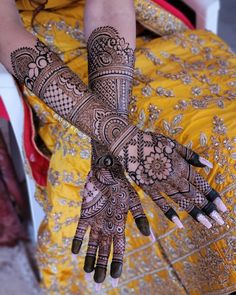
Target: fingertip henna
[(194, 160), (76, 245), (195, 212), (143, 225), (99, 275), (89, 263), (209, 208), (170, 214), (116, 269), (212, 195)]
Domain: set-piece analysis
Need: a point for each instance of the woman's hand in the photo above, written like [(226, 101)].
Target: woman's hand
[(107, 198), (160, 165)]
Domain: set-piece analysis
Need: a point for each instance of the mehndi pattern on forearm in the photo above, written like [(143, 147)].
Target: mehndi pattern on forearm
[(50, 79), (111, 67)]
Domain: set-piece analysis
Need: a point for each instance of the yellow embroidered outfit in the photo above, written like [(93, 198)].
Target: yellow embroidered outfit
[(184, 88)]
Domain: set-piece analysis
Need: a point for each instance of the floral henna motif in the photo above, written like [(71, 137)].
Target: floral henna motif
[(158, 164)]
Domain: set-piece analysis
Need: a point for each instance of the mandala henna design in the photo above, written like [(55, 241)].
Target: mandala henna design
[(155, 165)]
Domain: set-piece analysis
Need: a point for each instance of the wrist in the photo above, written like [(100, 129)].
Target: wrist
[(123, 139)]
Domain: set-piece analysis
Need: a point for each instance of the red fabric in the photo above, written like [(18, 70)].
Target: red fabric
[(3, 111), (11, 229), (168, 7), (39, 163)]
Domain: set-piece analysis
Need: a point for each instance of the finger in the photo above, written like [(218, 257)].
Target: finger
[(209, 209), (187, 204), (187, 189), (220, 205), (79, 236), (203, 186), (197, 198), (137, 212), (103, 255), (90, 258), (191, 157), (118, 254), (169, 212)]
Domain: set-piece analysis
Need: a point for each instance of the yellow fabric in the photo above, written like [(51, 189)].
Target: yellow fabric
[(184, 88), (158, 20)]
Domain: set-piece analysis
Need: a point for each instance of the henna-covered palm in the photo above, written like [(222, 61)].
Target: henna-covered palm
[(107, 198), (160, 165)]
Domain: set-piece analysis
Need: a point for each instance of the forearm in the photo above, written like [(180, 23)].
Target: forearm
[(50, 79), (110, 57)]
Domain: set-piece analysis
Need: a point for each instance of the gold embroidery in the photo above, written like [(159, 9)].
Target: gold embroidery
[(156, 19)]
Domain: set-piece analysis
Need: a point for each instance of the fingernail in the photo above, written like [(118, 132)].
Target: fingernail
[(74, 257), (205, 162), (153, 238), (177, 221), (98, 287), (220, 205), (88, 276), (216, 216), (203, 220), (114, 282)]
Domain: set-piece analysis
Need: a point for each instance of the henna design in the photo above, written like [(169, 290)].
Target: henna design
[(110, 76), (157, 162), (45, 74), (49, 78), (104, 208), (111, 67), (153, 161)]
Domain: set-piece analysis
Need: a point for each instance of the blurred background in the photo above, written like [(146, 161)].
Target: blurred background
[(227, 22)]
